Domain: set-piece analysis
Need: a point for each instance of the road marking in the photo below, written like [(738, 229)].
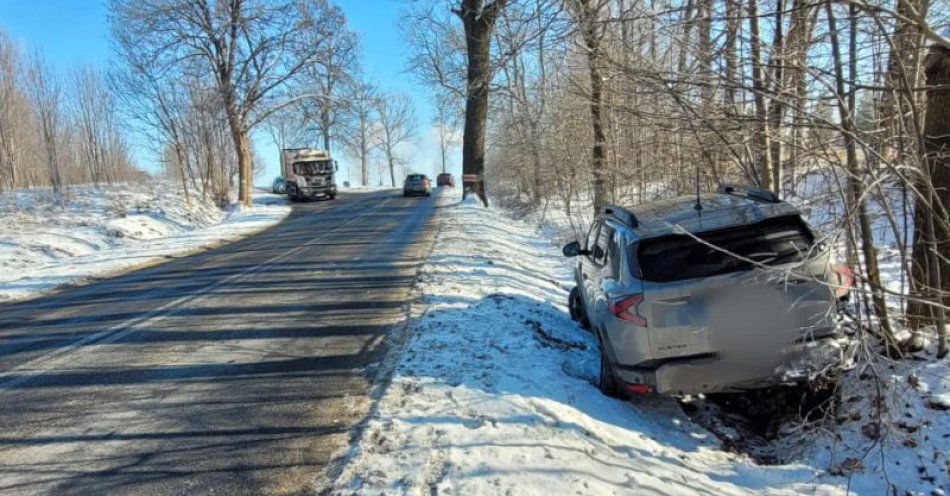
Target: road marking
[(43, 364)]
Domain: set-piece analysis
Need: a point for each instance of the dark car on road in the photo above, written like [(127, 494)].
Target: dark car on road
[(719, 292), (445, 180), (279, 187), (417, 184)]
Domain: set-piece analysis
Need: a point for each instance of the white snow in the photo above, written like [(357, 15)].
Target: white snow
[(106, 230), (494, 395), (940, 401)]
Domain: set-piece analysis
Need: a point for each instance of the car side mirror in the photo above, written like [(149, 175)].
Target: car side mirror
[(572, 249)]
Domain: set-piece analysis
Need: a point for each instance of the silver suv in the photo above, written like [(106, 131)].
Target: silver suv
[(718, 292)]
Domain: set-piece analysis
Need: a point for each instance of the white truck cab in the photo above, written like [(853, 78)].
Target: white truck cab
[(309, 173)]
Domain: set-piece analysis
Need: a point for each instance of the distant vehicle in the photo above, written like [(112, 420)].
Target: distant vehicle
[(417, 184), (732, 296), (279, 187), (445, 179), (309, 173)]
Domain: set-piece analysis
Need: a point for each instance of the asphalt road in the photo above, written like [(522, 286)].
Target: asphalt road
[(239, 370)]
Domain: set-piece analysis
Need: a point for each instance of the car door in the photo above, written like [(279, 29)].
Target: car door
[(585, 264), (601, 272)]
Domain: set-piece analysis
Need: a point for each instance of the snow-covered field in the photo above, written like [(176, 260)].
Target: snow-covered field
[(493, 395), (105, 230)]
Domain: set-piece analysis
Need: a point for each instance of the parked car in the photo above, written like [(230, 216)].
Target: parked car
[(720, 292), (279, 187), (417, 184), (445, 179)]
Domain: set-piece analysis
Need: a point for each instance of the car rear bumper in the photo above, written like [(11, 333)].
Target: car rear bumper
[(713, 373), (415, 191)]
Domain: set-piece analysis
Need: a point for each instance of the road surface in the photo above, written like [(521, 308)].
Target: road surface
[(239, 370)]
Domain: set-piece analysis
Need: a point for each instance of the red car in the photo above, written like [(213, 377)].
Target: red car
[(445, 179)]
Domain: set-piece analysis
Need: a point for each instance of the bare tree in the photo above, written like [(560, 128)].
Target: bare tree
[(329, 75), (287, 127), (95, 111), (446, 121), (46, 97), (478, 19), (13, 109), (397, 123), (589, 15), (250, 48), (360, 136)]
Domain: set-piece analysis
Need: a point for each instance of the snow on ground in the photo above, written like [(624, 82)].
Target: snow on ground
[(891, 429), (105, 230), (494, 395)]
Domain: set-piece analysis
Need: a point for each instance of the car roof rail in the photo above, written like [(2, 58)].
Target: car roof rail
[(750, 192), (623, 215)]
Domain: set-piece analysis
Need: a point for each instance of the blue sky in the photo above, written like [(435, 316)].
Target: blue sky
[(72, 32)]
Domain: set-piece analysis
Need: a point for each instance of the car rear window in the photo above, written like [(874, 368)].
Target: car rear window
[(678, 257), (416, 177)]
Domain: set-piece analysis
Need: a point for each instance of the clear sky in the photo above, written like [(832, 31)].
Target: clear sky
[(72, 32)]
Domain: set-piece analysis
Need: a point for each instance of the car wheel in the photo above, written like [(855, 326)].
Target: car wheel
[(576, 308), (607, 382)]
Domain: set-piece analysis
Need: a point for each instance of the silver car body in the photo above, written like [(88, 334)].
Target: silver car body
[(745, 329), (417, 184)]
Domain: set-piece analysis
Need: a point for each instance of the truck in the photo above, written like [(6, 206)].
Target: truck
[(309, 173)]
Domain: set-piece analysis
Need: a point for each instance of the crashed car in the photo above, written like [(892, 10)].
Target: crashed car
[(719, 292)]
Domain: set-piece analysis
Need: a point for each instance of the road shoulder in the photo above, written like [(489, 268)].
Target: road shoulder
[(493, 392)]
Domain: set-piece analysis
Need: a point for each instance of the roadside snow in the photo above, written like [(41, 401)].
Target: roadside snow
[(494, 395), (105, 230)]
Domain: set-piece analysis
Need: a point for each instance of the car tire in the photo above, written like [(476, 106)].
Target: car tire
[(576, 308), (607, 381)]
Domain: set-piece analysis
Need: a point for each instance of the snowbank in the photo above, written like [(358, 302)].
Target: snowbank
[(104, 230), (494, 395)]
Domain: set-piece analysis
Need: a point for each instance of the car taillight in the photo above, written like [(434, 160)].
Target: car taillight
[(627, 309), (845, 279), (638, 388)]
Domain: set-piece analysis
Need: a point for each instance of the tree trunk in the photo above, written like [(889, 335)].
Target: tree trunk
[(479, 22), (242, 148), (598, 152), (325, 129), (587, 16), (180, 157), (931, 269), (392, 166), (364, 155), (763, 137), (856, 205)]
